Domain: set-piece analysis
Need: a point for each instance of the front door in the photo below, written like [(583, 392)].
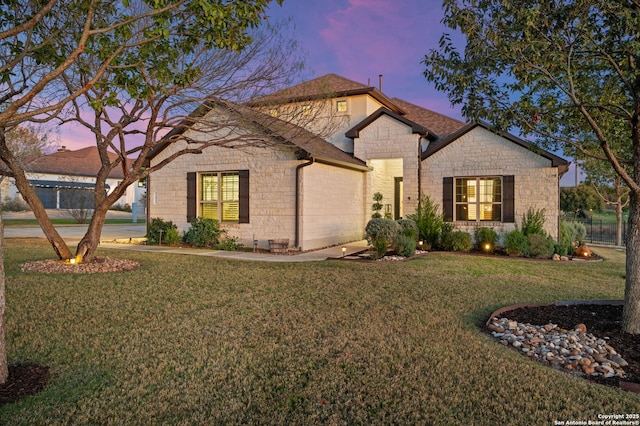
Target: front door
[(398, 197)]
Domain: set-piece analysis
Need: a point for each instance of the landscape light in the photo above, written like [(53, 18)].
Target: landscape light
[(344, 250)]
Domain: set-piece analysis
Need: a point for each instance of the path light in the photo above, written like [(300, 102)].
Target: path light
[(487, 247), (72, 261), (344, 250), (420, 243)]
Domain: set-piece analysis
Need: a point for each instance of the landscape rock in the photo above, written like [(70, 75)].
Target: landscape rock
[(576, 350)]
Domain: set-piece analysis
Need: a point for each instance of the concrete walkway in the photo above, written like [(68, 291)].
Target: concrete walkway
[(323, 254), (118, 236)]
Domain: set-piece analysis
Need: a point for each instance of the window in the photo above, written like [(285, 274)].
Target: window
[(478, 199), (273, 113), (219, 196), (341, 106), (306, 109)]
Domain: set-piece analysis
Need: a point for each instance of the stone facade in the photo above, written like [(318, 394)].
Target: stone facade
[(479, 153), (392, 149)]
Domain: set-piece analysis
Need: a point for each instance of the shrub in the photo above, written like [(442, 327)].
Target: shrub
[(162, 232), (429, 221), (485, 236), (376, 206), (203, 233), (533, 222), (571, 234), (405, 245), (15, 204), (516, 243), (381, 233), (456, 241), (408, 228), (229, 244), (121, 208), (540, 246)]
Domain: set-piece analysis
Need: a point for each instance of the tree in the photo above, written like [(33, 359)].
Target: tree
[(54, 52), (41, 41), (566, 73), (610, 188), (579, 198)]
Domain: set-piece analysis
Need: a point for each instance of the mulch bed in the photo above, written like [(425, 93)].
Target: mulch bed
[(97, 265), (601, 321), (24, 380)]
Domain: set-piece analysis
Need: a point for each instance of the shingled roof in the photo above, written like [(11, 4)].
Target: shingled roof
[(81, 162), (280, 131), (326, 86), (437, 123)]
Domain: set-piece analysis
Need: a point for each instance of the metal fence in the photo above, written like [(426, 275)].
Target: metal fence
[(601, 232)]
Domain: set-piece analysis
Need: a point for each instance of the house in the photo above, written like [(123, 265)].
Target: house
[(65, 179), (313, 182)]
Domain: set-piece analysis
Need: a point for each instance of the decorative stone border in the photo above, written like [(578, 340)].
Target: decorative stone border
[(627, 386)]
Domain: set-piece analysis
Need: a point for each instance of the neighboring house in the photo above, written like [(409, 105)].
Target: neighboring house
[(318, 191), (65, 179)]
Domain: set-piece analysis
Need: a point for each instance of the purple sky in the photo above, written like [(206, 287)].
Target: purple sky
[(361, 39)]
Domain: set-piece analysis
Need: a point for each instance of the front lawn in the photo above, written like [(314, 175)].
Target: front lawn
[(199, 340)]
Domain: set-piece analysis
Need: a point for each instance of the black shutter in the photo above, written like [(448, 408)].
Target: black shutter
[(447, 198), (243, 193), (191, 196), (508, 196)]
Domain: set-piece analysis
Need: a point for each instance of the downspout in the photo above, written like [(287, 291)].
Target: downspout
[(297, 207)]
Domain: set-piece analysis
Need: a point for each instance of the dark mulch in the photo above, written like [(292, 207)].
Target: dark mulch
[(601, 321), (24, 380)]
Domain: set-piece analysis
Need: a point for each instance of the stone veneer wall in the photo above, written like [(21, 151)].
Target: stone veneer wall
[(332, 206), (271, 190), (387, 139), (483, 153)]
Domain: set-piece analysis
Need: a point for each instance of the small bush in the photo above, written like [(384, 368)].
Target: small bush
[(376, 206), (429, 220), (540, 246), (161, 232), (408, 228), (121, 208), (456, 241), (571, 235), (485, 236), (15, 204), (533, 222), (203, 233), (229, 244), (381, 233), (516, 243), (405, 245)]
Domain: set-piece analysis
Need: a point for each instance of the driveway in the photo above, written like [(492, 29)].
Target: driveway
[(76, 232)]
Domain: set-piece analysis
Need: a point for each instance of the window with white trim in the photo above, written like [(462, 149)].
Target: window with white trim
[(478, 199), (220, 196)]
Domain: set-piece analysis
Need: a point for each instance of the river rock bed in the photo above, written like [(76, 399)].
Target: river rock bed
[(575, 351)]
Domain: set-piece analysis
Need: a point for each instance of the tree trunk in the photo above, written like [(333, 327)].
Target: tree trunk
[(89, 244), (4, 367), (631, 311), (619, 222)]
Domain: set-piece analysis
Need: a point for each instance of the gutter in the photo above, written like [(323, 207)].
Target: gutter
[(299, 167)]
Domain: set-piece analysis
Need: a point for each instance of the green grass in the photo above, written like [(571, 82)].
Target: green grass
[(200, 340), (23, 223)]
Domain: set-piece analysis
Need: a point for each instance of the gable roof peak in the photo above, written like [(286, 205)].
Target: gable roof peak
[(323, 87)]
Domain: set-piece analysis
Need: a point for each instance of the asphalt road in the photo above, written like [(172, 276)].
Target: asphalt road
[(76, 232)]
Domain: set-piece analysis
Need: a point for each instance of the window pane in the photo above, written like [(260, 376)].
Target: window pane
[(230, 186), (492, 212), (490, 190), (341, 106), (463, 212), (465, 190), (209, 187), (230, 211), (209, 210)]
